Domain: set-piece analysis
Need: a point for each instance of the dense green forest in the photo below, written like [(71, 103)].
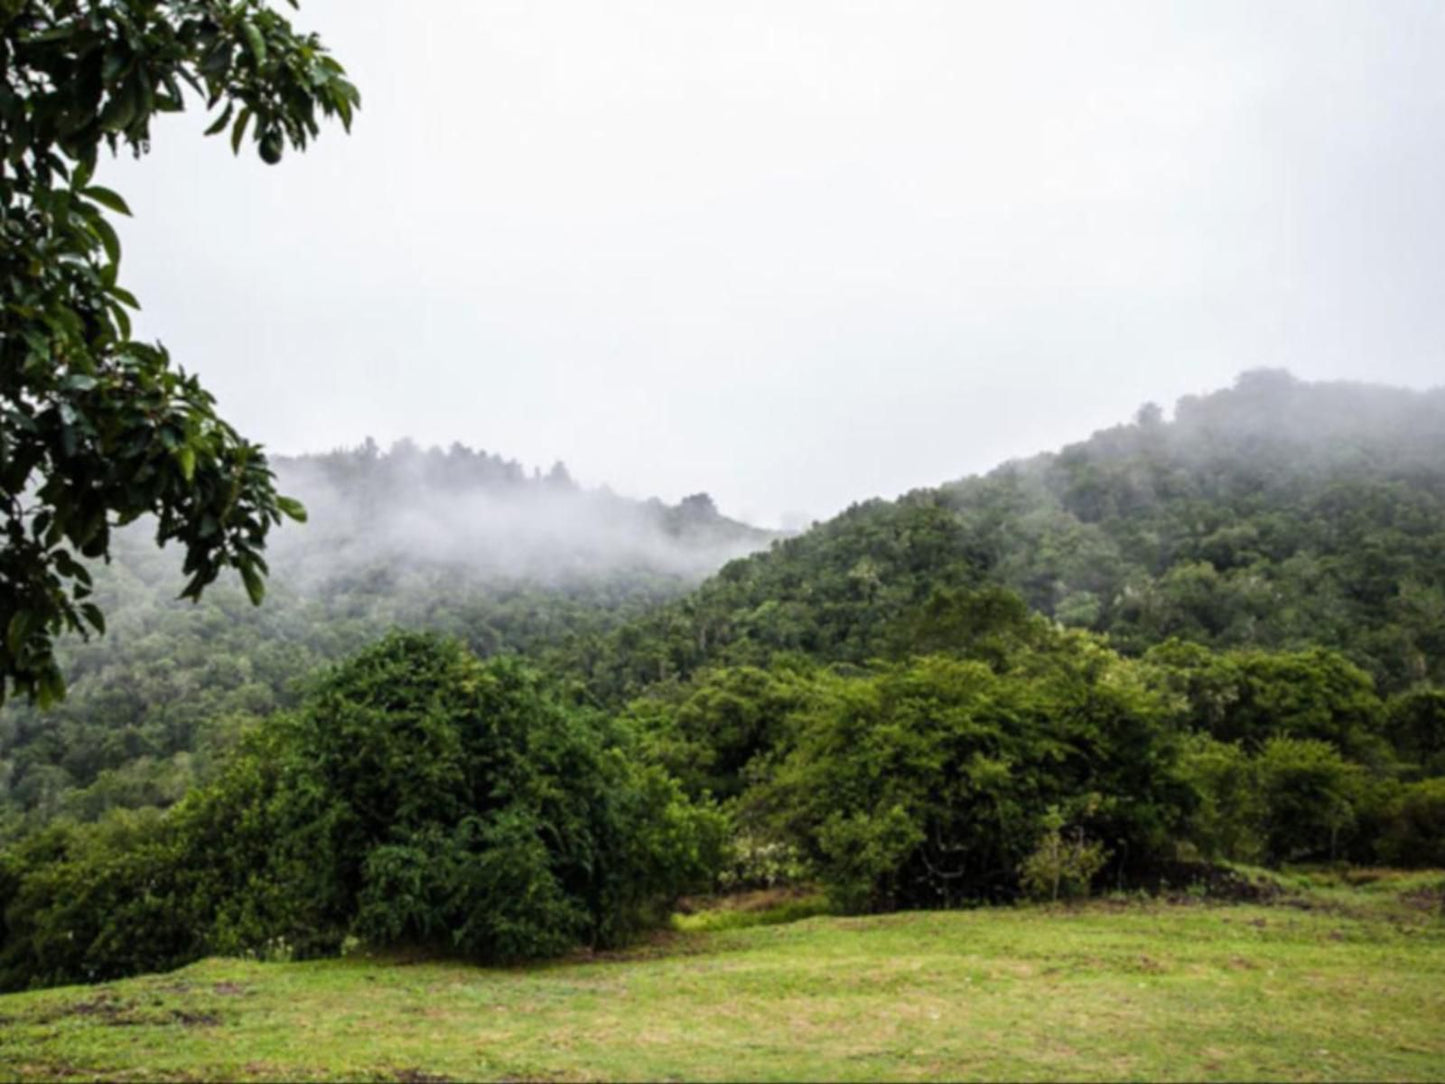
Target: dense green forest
[(458, 542), (1276, 514), (1216, 638)]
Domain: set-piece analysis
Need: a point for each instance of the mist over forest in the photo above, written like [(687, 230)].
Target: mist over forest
[(1209, 635), (486, 518), (1105, 706)]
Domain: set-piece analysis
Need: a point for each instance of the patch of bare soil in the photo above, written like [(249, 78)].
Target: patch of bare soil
[(761, 899), (1200, 882), (1428, 898), (113, 1011)]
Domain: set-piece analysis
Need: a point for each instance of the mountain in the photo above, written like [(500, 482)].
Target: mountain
[(1277, 513), (456, 541)]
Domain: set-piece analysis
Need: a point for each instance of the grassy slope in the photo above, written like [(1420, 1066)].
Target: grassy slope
[(1353, 988)]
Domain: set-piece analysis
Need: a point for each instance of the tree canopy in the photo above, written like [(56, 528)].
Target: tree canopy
[(97, 429)]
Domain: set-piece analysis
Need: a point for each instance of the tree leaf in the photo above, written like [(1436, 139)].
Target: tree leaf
[(107, 198), (16, 633), (255, 43), (124, 296), (222, 120), (239, 131), (255, 585), (292, 508), (108, 239)]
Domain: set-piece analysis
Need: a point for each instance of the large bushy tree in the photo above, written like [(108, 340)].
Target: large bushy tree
[(420, 798), (97, 429)]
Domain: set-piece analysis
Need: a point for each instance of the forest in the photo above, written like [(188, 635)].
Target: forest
[(496, 715)]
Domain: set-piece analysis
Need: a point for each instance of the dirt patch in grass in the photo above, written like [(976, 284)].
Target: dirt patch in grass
[(1200, 882), (105, 1008), (1428, 898), (762, 899), (105, 1005)]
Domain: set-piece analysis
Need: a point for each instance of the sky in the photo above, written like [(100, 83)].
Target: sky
[(798, 253)]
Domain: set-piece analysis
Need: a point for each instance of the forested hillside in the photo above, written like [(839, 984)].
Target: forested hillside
[(1276, 514), (1214, 639), (459, 541)]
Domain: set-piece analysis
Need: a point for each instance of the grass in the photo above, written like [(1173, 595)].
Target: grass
[(1340, 981)]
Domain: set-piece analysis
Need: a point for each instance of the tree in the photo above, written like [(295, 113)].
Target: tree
[(97, 429)]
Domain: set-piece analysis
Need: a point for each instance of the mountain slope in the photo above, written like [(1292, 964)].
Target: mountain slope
[(1276, 513), (460, 542)]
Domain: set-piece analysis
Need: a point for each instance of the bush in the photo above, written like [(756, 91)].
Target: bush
[(927, 784), (94, 902), (1417, 729), (419, 798), (1061, 864), (1228, 820), (1413, 833), (1310, 795)]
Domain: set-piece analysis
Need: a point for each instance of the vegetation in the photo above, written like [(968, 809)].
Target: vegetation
[(882, 709), (94, 426), (419, 798), (496, 718), (1277, 515), (400, 538), (1345, 985)]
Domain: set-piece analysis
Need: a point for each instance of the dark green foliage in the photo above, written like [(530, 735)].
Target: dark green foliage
[(1228, 819), (1416, 724), (1310, 795), (1413, 828), (927, 783), (709, 733), (1253, 696), (94, 903), (456, 804), (96, 428), (835, 593), (1293, 800), (1277, 515), (419, 798)]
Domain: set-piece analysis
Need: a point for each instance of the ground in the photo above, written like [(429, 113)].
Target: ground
[(1329, 982)]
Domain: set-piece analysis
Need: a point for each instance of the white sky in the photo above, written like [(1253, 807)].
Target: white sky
[(803, 253)]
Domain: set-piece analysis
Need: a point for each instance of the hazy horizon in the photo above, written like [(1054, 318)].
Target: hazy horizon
[(795, 254)]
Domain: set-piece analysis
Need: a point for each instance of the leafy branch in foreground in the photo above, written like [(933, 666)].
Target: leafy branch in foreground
[(97, 429)]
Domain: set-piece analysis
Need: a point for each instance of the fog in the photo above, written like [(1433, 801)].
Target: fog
[(799, 253), (486, 519)]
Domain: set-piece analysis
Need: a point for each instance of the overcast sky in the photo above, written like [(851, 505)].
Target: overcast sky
[(798, 254)]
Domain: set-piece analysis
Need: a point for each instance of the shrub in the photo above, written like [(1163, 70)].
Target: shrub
[(926, 784), (1062, 863), (1413, 833), (462, 805), (94, 902), (1310, 794), (418, 798), (1417, 728), (1227, 822)]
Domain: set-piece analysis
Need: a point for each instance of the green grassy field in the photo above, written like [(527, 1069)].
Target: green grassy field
[(1338, 982)]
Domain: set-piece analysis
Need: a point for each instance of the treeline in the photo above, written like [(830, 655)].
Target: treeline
[(420, 798), (1276, 514), (459, 541), (1179, 643)]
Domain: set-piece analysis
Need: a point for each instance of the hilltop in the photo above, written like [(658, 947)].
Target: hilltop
[(1276, 514)]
